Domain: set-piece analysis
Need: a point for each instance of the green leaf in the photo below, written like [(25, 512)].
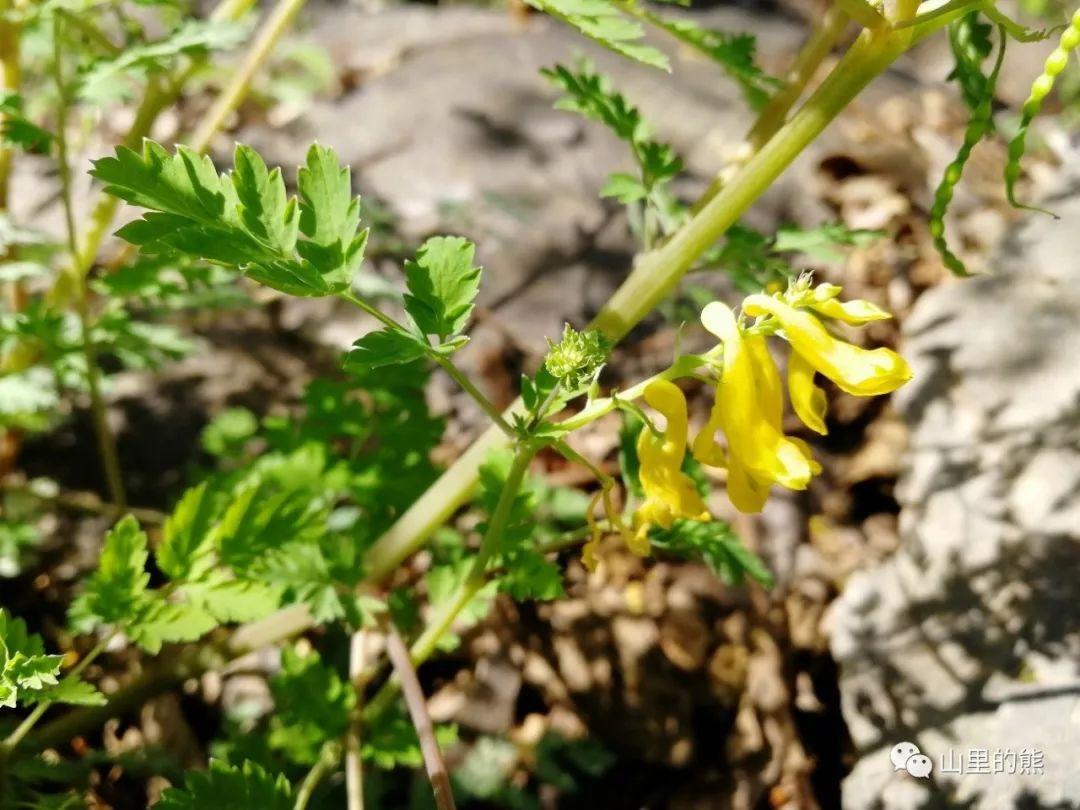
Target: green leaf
[(969, 39), (16, 130), (443, 284), (605, 24), (390, 741), (717, 544), (243, 219), (259, 520), (115, 592), (267, 212), (311, 706), (329, 217), (384, 348), (72, 693), (229, 787), (735, 53), (33, 672), (28, 675), (229, 431), (233, 600), (824, 241), (186, 541), (591, 94), (625, 188), (158, 622), (105, 80)]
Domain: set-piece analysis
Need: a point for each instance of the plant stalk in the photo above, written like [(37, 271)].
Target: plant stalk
[(106, 441), (418, 712), (323, 767)]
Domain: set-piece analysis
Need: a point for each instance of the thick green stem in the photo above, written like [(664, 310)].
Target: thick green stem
[(817, 47)]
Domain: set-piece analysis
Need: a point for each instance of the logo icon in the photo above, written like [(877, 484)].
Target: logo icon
[(906, 756)]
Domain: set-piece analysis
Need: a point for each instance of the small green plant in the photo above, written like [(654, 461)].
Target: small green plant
[(306, 520)]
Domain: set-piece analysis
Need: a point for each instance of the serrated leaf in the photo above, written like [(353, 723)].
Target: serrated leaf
[(186, 540), (229, 787), (242, 219), (233, 600), (17, 130), (384, 348), (33, 671), (116, 590), (72, 693), (605, 24), (625, 188), (717, 544), (267, 211), (311, 706), (159, 622), (443, 284), (735, 53)]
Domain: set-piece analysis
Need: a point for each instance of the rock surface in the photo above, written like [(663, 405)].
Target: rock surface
[(967, 639)]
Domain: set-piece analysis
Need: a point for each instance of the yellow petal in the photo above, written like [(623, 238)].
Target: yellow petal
[(705, 447), (806, 398), (767, 379), (861, 372), (815, 467), (669, 493), (855, 312), (747, 399), (746, 494)]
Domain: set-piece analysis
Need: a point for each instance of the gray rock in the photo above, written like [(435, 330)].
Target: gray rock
[(968, 637)]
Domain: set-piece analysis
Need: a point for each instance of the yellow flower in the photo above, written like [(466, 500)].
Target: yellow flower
[(669, 493), (862, 372), (748, 409), (823, 299)]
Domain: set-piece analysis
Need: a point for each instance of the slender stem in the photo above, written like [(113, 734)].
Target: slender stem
[(106, 442), (10, 81), (159, 95), (467, 385), (261, 48), (88, 502), (445, 362), (354, 763), (425, 729), (323, 767)]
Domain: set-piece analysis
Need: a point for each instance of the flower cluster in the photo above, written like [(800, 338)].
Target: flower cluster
[(749, 404)]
